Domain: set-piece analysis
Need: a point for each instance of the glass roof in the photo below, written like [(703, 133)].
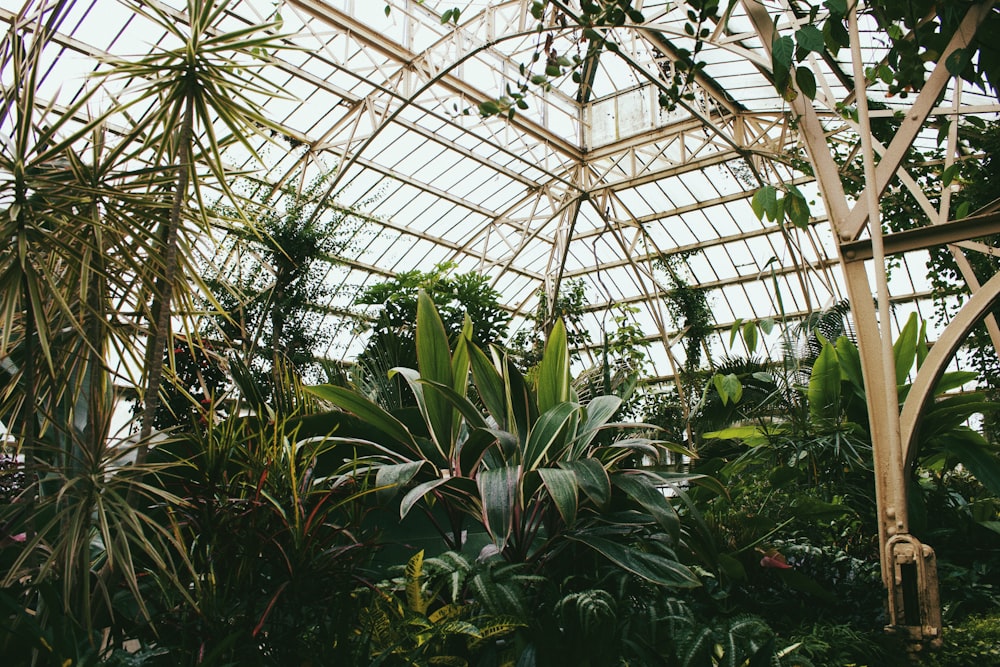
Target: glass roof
[(595, 182)]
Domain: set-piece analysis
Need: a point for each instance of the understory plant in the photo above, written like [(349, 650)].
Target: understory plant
[(269, 520)]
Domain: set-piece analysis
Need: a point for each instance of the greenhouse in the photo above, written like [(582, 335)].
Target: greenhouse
[(499, 333)]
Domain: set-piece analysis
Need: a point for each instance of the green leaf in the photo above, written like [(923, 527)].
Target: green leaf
[(806, 81), (735, 329), (954, 380), (553, 381), (390, 478), (824, 384), (414, 495), (837, 7), (355, 403), (782, 52), (948, 175), (729, 387), (764, 201), (498, 491), (904, 350), (977, 457), (489, 385), (547, 431), (945, 417), (797, 209), (562, 487), (597, 414), (850, 362), (488, 108), (434, 362), (810, 38), (750, 336), (592, 478), (641, 489), (649, 566), (958, 60)]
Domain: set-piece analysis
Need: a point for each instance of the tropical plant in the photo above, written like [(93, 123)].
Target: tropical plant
[(270, 524), (528, 471), (417, 627), (72, 250), (209, 78), (87, 216)]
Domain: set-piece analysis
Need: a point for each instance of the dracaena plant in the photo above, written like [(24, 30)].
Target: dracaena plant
[(518, 458)]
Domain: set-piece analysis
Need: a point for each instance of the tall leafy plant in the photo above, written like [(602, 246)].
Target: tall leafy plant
[(211, 78), (522, 464)]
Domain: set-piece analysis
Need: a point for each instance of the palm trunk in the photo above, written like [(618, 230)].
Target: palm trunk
[(161, 310)]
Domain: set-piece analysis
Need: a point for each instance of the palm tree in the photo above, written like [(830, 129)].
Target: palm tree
[(209, 80)]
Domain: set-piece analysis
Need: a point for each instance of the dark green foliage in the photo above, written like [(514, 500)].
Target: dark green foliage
[(198, 382), (920, 30), (975, 642), (272, 545), (526, 345), (273, 276), (392, 344)]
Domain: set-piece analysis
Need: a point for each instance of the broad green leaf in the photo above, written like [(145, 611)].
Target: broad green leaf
[(464, 406), (950, 412), (434, 362), (850, 363), (390, 478), (592, 478), (562, 487), (553, 381), (922, 349), (904, 350), (472, 449), (750, 336), (729, 387), (837, 7), (597, 413), (547, 432), (782, 51), (442, 448), (460, 359), (764, 201), (796, 208), (521, 403), (806, 81), (958, 60), (824, 385), (948, 175), (752, 436), (736, 328), (641, 489), (490, 386), (979, 458), (650, 566), (351, 401), (810, 38), (414, 495), (498, 492), (954, 380)]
